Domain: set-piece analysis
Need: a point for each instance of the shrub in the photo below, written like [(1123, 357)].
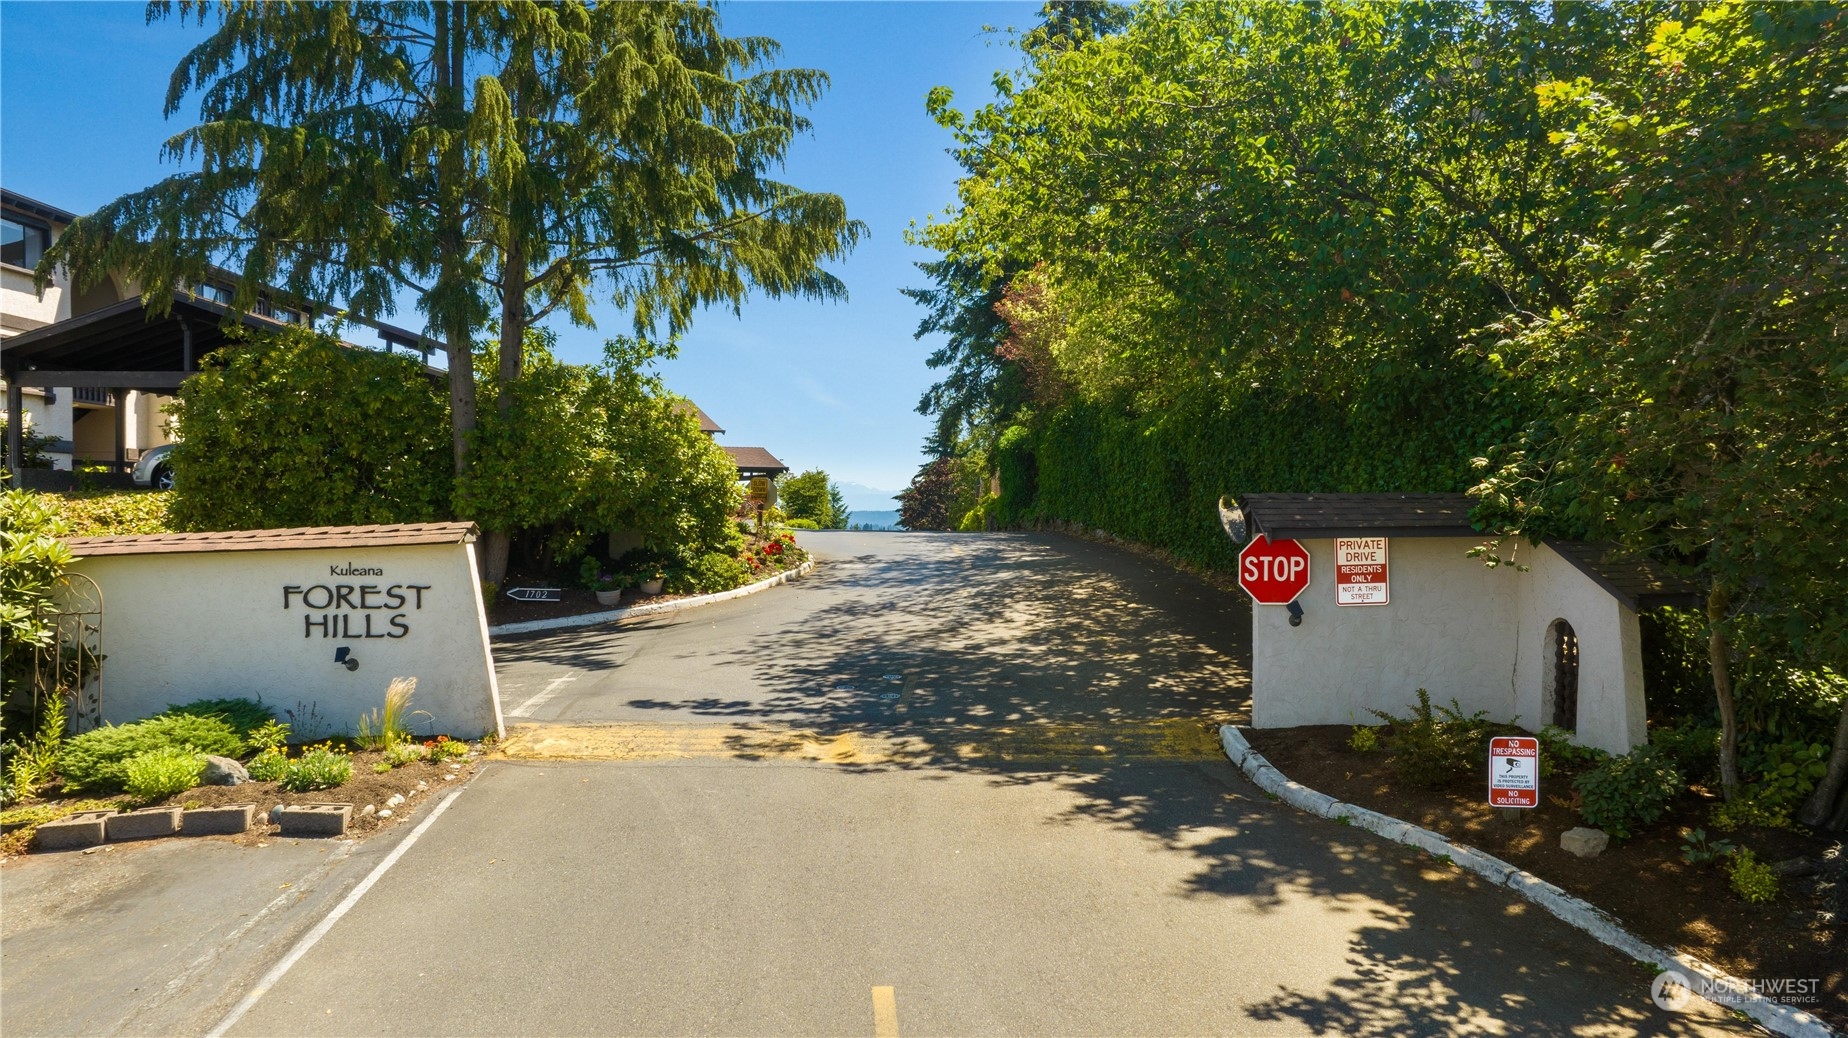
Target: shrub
[(1434, 744), (1626, 793), (444, 748), (111, 512), (1696, 849), (714, 572), (1787, 771), (389, 723), (1557, 749), (33, 762), (1364, 739), (322, 767), (294, 429), (1752, 879), (802, 524), (160, 773), (1694, 748), (398, 754), (243, 715), (98, 759), (268, 766), (1748, 810), (32, 558), (271, 735)]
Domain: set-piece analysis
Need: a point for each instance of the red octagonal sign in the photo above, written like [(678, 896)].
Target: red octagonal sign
[(1273, 572)]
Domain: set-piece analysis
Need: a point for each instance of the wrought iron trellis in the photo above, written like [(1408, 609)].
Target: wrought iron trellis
[(69, 662)]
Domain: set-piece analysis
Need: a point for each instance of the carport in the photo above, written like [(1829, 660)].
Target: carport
[(124, 347)]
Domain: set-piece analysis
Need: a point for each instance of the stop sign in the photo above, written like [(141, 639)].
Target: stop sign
[(1273, 572)]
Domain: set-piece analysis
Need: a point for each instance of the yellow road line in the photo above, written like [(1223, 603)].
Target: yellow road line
[(885, 1013)]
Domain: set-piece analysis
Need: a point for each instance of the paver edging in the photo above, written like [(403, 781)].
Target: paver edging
[(558, 623), (1776, 1017)]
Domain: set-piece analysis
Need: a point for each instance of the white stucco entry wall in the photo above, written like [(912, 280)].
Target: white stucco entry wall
[(266, 623), (1457, 628)]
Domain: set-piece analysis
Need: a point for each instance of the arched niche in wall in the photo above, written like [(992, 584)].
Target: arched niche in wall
[(1562, 676)]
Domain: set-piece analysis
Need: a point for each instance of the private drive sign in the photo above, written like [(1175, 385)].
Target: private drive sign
[(1360, 571), (1514, 771), (1273, 572)]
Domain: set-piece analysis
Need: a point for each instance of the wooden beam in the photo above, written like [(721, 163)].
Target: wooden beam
[(45, 378)]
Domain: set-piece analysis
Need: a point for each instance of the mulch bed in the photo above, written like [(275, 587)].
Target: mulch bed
[(1642, 881), (363, 788)]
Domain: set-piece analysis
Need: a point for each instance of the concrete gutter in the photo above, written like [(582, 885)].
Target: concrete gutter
[(1774, 1016), (587, 619)]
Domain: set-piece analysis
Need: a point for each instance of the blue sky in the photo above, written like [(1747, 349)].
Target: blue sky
[(832, 386)]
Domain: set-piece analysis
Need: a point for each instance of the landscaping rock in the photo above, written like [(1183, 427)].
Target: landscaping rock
[(83, 829), (223, 771), (396, 799), (385, 813), (1798, 866), (217, 821), (1586, 843), (275, 815), (316, 819), (368, 811), (143, 825)]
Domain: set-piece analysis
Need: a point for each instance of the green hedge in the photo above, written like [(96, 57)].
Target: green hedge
[(1156, 478)]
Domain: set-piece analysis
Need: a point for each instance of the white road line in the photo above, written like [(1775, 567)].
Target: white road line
[(542, 698), (313, 937), (210, 958)]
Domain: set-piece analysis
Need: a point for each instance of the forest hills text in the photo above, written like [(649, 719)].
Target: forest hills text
[(355, 610)]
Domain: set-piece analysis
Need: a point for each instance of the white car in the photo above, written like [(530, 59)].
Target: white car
[(154, 469)]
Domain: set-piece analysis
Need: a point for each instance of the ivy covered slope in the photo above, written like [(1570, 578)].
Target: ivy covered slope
[(1582, 260)]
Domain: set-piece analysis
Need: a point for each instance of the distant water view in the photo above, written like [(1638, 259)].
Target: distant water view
[(873, 520)]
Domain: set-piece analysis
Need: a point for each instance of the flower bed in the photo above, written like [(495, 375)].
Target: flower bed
[(1664, 884), (414, 781), (710, 574)]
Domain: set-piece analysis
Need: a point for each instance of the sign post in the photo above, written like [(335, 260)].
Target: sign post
[(1514, 771), (1360, 571), (1273, 572)]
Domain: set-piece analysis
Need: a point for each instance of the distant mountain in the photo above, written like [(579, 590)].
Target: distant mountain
[(871, 520), (862, 498)]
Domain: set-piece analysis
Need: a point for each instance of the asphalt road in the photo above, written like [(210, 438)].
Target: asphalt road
[(946, 785), (909, 629)]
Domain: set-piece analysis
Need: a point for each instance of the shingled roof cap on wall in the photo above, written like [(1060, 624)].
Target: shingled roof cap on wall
[(275, 540), (1637, 583), (1290, 516)]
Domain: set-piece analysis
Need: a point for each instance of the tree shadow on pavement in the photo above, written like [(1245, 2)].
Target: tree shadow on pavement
[(1038, 658)]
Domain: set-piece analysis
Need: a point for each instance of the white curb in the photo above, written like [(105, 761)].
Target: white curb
[(1778, 1018), (587, 619)]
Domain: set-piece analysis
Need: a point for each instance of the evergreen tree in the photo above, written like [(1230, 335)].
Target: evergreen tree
[(494, 162)]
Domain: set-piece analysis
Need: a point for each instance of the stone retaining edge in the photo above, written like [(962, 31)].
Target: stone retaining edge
[(1776, 1017), (558, 623)]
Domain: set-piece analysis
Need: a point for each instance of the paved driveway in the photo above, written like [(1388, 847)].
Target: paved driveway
[(954, 784)]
